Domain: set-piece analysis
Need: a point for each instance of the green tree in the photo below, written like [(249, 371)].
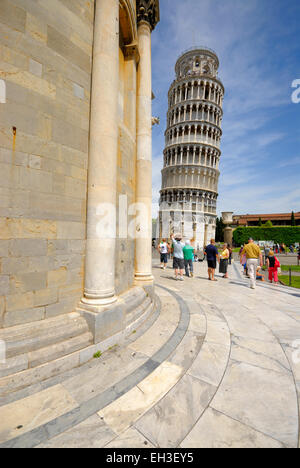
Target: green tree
[(220, 226), (293, 222), (260, 223), (268, 224)]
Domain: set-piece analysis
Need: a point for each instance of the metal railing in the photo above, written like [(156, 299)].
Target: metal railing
[(200, 47)]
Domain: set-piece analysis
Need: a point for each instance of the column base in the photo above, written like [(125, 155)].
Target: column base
[(125, 315), (103, 320), (103, 302), (141, 280), (146, 282)]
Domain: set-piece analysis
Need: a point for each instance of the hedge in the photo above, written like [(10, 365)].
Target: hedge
[(287, 235)]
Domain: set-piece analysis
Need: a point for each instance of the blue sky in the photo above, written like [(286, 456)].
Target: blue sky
[(258, 44)]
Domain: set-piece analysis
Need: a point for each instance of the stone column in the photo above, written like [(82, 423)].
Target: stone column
[(143, 252), (206, 234), (227, 217), (103, 145)]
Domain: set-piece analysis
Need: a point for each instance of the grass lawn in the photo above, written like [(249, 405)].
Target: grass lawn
[(287, 267), (295, 281)]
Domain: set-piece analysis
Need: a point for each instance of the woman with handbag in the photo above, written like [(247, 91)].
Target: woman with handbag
[(273, 264), (224, 259)]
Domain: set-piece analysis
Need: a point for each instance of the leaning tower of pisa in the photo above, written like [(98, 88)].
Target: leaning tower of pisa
[(189, 192)]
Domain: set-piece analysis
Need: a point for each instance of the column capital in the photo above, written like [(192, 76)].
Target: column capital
[(148, 11)]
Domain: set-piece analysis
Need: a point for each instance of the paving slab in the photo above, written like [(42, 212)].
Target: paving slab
[(211, 363), (92, 433), (168, 423), (131, 438), (122, 413), (259, 353), (25, 415), (262, 399), (215, 430)]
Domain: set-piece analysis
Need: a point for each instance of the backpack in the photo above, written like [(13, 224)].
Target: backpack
[(277, 263)]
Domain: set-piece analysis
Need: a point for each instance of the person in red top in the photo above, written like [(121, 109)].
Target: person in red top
[(273, 265)]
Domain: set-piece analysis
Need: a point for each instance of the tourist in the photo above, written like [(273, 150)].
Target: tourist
[(259, 274), (230, 254), (224, 259), (188, 252), (163, 249), (273, 265), (178, 257), (253, 253), (267, 251), (212, 256), (244, 265)]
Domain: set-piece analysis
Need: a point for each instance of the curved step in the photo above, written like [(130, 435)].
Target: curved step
[(19, 378), (42, 334), (100, 384), (191, 394)]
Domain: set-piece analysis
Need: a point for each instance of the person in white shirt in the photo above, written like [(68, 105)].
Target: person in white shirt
[(163, 249)]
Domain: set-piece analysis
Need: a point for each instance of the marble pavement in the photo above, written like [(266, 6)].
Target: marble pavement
[(216, 366)]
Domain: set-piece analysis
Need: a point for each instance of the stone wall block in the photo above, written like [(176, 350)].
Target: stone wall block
[(45, 297), (64, 306), (4, 285), (4, 246), (57, 277), (22, 283), (27, 247), (19, 317), (2, 310), (12, 16), (16, 302), (63, 46)]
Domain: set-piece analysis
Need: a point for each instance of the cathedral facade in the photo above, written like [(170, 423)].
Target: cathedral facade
[(75, 177)]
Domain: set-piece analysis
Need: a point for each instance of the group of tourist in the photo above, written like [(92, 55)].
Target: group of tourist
[(250, 257), (184, 257)]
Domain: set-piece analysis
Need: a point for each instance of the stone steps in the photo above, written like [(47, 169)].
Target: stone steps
[(212, 389), (97, 383), (39, 349), (202, 357), (38, 357), (180, 388), (33, 329), (55, 334), (69, 346), (172, 382)]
